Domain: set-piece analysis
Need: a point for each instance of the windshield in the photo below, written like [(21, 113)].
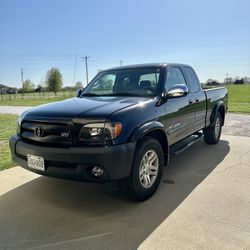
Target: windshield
[(124, 82)]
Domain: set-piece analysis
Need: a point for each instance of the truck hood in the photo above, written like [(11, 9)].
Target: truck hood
[(86, 107)]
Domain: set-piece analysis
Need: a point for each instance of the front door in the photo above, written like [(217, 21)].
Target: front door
[(179, 113)]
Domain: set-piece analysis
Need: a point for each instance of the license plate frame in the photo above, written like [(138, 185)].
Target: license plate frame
[(36, 162)]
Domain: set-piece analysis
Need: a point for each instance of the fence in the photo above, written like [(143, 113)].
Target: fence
[(37, 95)]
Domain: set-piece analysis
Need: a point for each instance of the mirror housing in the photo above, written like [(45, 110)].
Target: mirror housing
[(177, 91), (79, 92)]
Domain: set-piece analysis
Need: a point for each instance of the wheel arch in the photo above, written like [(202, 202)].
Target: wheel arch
[(154, 129), (218, 108)]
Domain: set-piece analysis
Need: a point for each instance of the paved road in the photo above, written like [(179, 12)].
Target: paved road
[(16, 110), (216, 215), (236, 124), (203, 202)]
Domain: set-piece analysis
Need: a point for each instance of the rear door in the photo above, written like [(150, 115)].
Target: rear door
[(199, 105), (179, 118)]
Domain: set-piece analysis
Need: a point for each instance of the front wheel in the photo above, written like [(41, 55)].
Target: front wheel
[(212, 134), (146, 171)]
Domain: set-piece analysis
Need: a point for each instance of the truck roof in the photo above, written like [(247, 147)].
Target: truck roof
[(147, 65)]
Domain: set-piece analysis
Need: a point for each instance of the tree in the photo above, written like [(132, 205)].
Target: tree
[(212, 82), (28, 85), (246, 79), (78, 85), (239, 81), (228, 80), (54, 80)]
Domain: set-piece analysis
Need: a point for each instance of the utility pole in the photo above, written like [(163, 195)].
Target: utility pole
[(22, 82), (75, 70), (227, 78), (86, 68), (121, 62)]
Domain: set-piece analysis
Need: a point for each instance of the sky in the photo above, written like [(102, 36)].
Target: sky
[(213, 36)]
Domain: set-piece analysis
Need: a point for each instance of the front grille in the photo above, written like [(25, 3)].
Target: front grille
[(50, 133)]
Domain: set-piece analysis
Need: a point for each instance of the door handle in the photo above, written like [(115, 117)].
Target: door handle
[(190, 101), (197, 99)]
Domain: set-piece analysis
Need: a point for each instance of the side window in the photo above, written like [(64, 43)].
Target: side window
[(174, 77), (192, 79)]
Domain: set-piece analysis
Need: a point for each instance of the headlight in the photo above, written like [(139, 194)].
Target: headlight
[(19, 121), (100, 131)]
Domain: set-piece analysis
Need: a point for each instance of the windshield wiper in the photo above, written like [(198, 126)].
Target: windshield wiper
[(89, 94)]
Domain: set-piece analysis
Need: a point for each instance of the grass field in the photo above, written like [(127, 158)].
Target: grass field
[(7, 128), (34, 99), (31, 102), (239, 98)]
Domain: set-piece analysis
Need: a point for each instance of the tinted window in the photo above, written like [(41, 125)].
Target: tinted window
[(174, 77), (192, 79)]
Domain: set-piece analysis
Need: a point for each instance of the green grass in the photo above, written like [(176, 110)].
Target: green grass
[(7, 128), (239, 98), (34, 99), (30, 102)]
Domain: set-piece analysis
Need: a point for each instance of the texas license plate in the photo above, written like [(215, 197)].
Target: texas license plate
[(36, 162)]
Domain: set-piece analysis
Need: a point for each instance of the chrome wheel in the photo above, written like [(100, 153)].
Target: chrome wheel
[(217, 127), (149, 168)]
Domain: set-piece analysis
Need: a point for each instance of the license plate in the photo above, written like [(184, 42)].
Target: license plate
[(36, 162)]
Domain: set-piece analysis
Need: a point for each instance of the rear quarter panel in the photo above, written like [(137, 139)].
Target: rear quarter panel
[(214, 97)]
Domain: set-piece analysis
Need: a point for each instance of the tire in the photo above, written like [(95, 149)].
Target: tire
[(146, 171), (212, 134)]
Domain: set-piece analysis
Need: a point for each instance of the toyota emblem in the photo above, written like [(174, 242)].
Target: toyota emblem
[(39, 131)]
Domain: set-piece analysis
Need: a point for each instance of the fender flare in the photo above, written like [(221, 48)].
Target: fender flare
[(146, 128), (215, 111)]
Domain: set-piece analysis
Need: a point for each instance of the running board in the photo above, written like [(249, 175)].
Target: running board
[(185, 144)]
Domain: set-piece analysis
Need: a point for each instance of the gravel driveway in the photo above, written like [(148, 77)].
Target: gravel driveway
[(236, 124)]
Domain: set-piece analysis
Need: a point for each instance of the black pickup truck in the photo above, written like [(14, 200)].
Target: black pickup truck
[(124, 126)]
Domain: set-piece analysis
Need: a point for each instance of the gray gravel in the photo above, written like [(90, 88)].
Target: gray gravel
[(236, 124)]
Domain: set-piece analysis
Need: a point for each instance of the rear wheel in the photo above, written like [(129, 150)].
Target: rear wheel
[(212, 134), (146, 171)]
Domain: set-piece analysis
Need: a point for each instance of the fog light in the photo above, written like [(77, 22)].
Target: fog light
[(97, 171)]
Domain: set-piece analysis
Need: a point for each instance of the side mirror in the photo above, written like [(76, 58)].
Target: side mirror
[(79, 92), (177, 91)]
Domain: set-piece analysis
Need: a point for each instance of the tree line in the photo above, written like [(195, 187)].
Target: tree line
[(229, 80), (53, 82)]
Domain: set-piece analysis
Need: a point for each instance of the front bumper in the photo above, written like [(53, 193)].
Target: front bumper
[(76, 162)]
